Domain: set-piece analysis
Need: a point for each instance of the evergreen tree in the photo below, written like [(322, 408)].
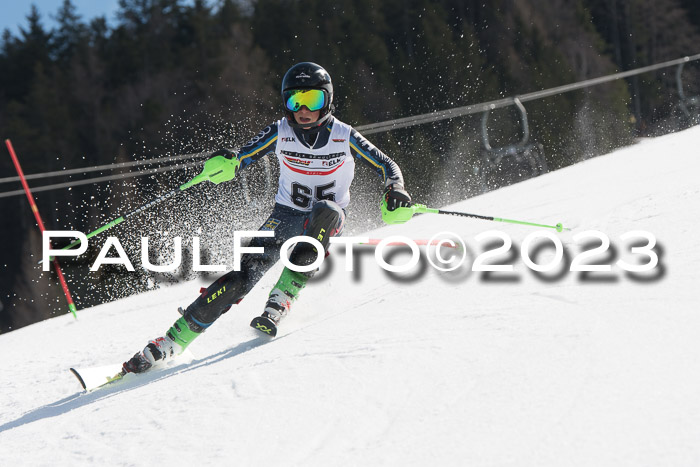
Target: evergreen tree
[(175, 76)]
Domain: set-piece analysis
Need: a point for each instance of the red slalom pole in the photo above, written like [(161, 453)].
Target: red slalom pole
[(35, 210), (419, 242)]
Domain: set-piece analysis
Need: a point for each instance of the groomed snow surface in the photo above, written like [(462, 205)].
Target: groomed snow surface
[(413, 369)]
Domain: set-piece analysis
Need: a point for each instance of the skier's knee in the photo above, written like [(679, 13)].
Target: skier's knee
[(325, 221), (303, 254), (327, 213)]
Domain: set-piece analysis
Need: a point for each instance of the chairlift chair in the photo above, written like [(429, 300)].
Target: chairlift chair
[(505, 165)]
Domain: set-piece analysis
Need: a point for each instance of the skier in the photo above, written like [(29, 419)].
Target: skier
[(317, 154)]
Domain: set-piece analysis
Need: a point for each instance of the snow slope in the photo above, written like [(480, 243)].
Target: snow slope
[(420, 368)]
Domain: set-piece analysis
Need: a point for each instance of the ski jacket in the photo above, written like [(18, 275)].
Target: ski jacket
[(323, 170)]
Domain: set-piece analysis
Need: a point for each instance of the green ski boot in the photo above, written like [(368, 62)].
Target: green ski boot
[(162, 349), (279, 302)]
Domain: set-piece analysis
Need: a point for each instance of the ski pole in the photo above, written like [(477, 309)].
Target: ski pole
[(217, 169), (420, 208), (124, 217)]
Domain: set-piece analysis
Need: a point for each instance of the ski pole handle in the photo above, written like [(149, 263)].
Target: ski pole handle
[(217, 169)]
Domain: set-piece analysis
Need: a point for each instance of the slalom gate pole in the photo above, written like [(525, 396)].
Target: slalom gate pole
[(419, 242), (35, 210), (420, 208)]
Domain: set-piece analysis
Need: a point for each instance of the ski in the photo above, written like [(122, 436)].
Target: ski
[(264, 325), (96, 377), (91, 378)]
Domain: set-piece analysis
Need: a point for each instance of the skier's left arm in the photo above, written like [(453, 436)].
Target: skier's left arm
[(371, 156), (395, 195)]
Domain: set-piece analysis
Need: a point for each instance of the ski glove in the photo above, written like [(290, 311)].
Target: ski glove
[(396, 197), (396, 205)]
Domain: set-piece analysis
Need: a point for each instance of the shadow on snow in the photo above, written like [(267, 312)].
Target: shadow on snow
[(83, 399)]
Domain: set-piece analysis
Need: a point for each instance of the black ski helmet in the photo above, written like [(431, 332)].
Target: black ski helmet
[(308, 75)]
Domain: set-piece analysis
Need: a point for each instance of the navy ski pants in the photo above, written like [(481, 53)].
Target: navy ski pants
[(325, 220)]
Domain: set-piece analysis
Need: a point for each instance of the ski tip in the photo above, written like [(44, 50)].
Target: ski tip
[(264, 325), (80, 378)]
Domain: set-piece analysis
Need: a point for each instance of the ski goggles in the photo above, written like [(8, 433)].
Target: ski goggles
[(313, 99)]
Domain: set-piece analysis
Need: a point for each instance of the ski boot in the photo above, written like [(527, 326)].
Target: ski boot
[(162, 349), (279, 302)]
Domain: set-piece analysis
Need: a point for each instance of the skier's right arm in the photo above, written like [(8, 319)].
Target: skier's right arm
[(262, 144), (224, 164)]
